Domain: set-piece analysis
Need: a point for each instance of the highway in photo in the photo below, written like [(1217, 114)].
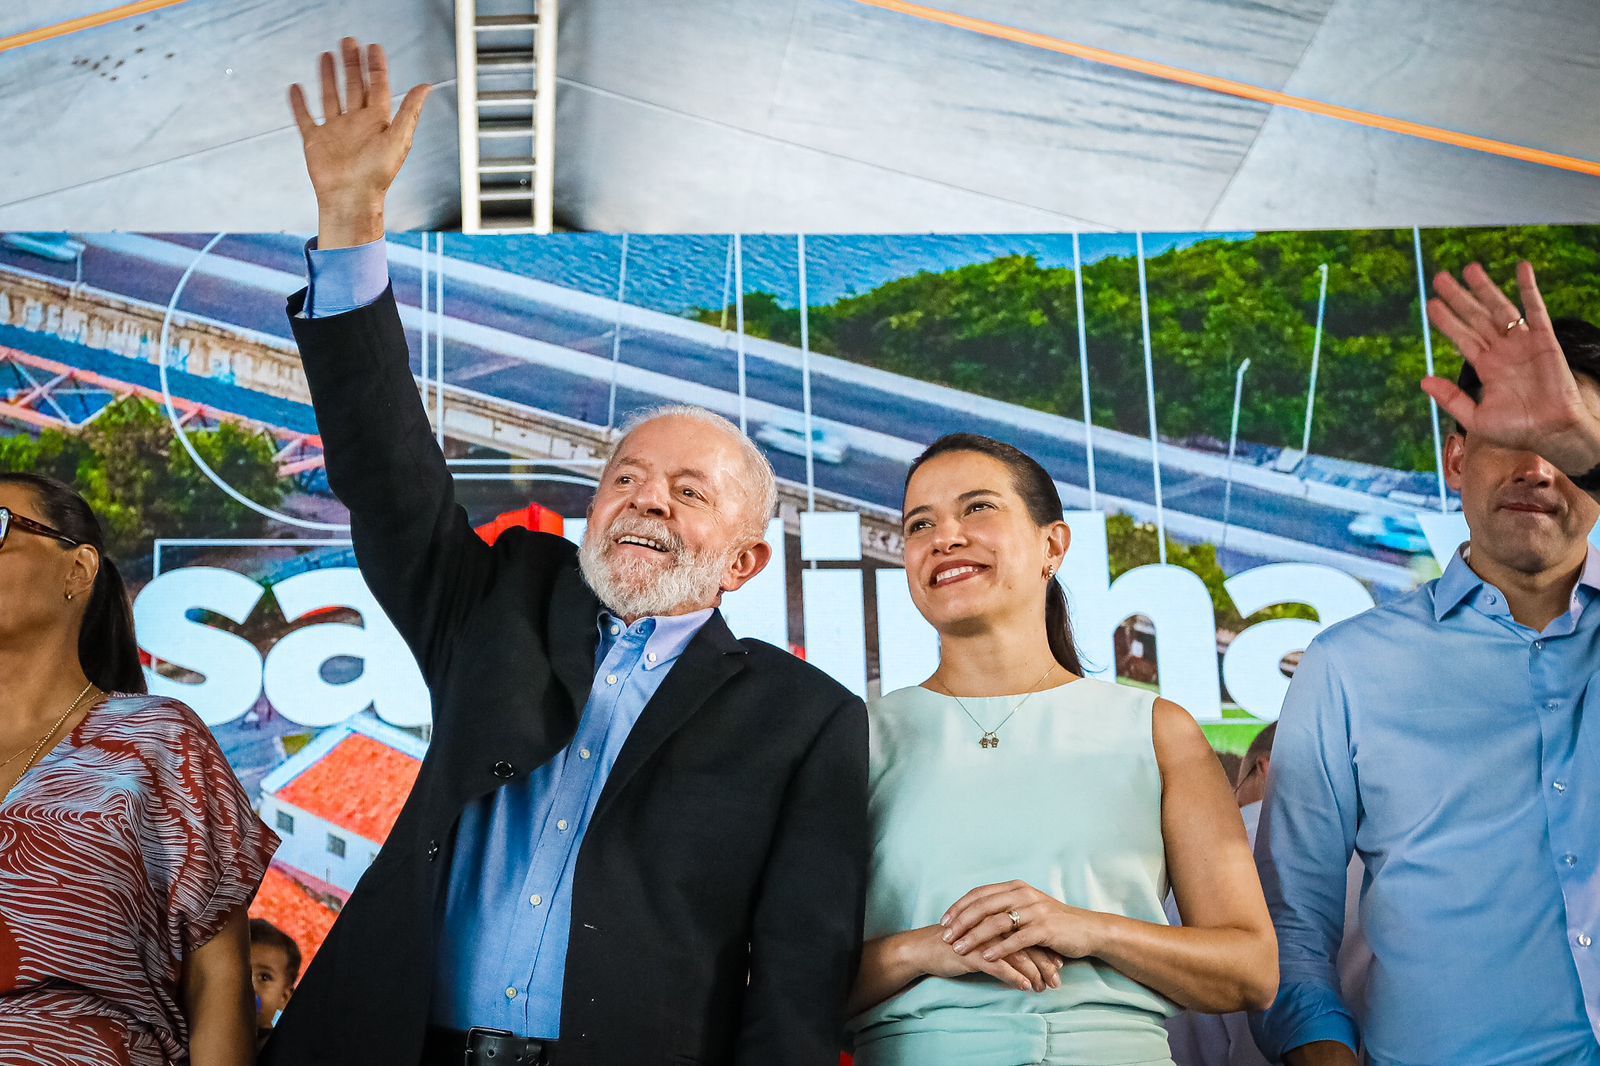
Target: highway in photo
[(148, 270)]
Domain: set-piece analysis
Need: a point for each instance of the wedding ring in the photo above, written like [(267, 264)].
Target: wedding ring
[(1016, 920), (1513, 325)]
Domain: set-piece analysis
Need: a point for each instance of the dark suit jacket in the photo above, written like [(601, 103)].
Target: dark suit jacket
[(717, 902)]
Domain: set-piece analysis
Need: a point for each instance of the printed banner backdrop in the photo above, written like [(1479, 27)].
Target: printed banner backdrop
[(1233, 420)]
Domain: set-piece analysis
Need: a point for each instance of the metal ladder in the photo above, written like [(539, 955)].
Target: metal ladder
[(506, 93)]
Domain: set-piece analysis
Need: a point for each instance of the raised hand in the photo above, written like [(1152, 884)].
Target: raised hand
[(1530, 400), (354, 155)]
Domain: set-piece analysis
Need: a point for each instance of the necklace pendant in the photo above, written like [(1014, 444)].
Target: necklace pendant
[(989, 740)]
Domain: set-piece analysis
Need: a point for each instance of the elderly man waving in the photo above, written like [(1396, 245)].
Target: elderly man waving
[(635, 838)]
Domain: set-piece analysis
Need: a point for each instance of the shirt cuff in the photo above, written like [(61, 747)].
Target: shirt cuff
[(344, 279), (1303, 1014)]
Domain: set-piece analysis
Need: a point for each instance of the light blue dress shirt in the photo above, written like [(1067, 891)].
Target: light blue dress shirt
[(1459, 753), (344, 279), (508, 904)]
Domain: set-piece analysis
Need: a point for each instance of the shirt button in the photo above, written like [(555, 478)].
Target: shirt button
[(1583, 940), (536, 900), (1551, 705), (433, 849), (1570, 859), (503, 770), (583, 753), (562, 825), (611, 679), (1559, 786), (1538, 645), (1489, 599), (511, 993), (615, 630)]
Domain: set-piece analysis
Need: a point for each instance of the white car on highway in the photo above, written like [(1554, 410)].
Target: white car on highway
[(826, 446), (1402, 533)]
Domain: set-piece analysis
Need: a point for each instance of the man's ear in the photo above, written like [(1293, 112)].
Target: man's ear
[(751, 560), (1455, 451)]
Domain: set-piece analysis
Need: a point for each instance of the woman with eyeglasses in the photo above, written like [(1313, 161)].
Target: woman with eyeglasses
[(1026, 821), (128, 851)]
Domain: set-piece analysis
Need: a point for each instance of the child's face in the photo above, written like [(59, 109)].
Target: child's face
[(269, 972)]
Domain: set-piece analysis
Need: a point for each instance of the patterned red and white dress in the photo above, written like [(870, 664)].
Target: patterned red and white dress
[(122, 851)]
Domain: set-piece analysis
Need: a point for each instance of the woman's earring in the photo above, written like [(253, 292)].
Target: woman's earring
[(1051, 572), (69, 597)]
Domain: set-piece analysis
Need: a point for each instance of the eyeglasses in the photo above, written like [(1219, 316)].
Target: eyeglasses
[(10, 520)]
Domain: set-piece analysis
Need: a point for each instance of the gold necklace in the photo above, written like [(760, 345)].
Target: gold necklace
[(990, 738), (34, 755)]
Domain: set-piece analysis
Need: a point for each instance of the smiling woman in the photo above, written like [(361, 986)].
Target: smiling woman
[(1032, 486), (1024, 816)]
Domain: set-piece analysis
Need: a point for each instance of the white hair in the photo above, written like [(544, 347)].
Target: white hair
[(760, 484)]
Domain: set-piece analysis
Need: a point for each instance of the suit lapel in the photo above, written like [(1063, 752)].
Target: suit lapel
[(574, 636), (711, 658)]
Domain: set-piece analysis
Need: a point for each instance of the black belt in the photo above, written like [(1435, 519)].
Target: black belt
[(484, 1047)]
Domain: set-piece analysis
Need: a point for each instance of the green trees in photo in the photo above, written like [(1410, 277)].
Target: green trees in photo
[(1008, 329), (141, 482)]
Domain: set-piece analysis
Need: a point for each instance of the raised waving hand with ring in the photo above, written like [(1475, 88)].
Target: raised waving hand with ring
[(1530, 399)]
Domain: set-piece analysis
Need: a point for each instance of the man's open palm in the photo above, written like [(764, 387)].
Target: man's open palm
[(354, 155), (1529, 398)]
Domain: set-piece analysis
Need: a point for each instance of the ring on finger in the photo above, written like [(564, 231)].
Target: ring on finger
[(1016, 920), (1520, 322)]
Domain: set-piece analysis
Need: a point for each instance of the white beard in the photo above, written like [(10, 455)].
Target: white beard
[(634, 588)]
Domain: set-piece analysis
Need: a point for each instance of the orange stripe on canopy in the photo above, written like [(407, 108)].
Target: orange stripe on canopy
[(87, 22), (1242, 90)]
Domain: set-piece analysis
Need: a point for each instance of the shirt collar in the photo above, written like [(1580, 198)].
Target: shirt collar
[(1456, 583), (1589, 576), (665, 636), (1459, 581)]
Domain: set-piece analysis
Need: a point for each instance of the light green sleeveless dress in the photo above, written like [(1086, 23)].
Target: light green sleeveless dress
[(1070, 802)]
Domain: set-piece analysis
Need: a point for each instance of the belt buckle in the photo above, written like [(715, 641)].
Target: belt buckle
[(475, 1037)]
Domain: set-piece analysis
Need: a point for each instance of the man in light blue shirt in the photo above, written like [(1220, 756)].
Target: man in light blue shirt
[(515, 853), (637, 839), (1452, 739)]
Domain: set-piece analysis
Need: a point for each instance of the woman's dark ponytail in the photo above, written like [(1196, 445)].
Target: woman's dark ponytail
[(107, 648), (108, 653), (1058, 627), (1038, 491)]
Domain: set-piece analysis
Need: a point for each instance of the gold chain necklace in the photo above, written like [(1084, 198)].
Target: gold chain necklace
[(990, 738), (37, 748)]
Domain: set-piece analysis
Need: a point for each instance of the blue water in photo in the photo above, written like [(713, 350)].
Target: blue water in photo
[(680, 273)]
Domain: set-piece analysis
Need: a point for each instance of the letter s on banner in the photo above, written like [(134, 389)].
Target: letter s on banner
[(389, 681), (229, 664), (1250, 669)]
